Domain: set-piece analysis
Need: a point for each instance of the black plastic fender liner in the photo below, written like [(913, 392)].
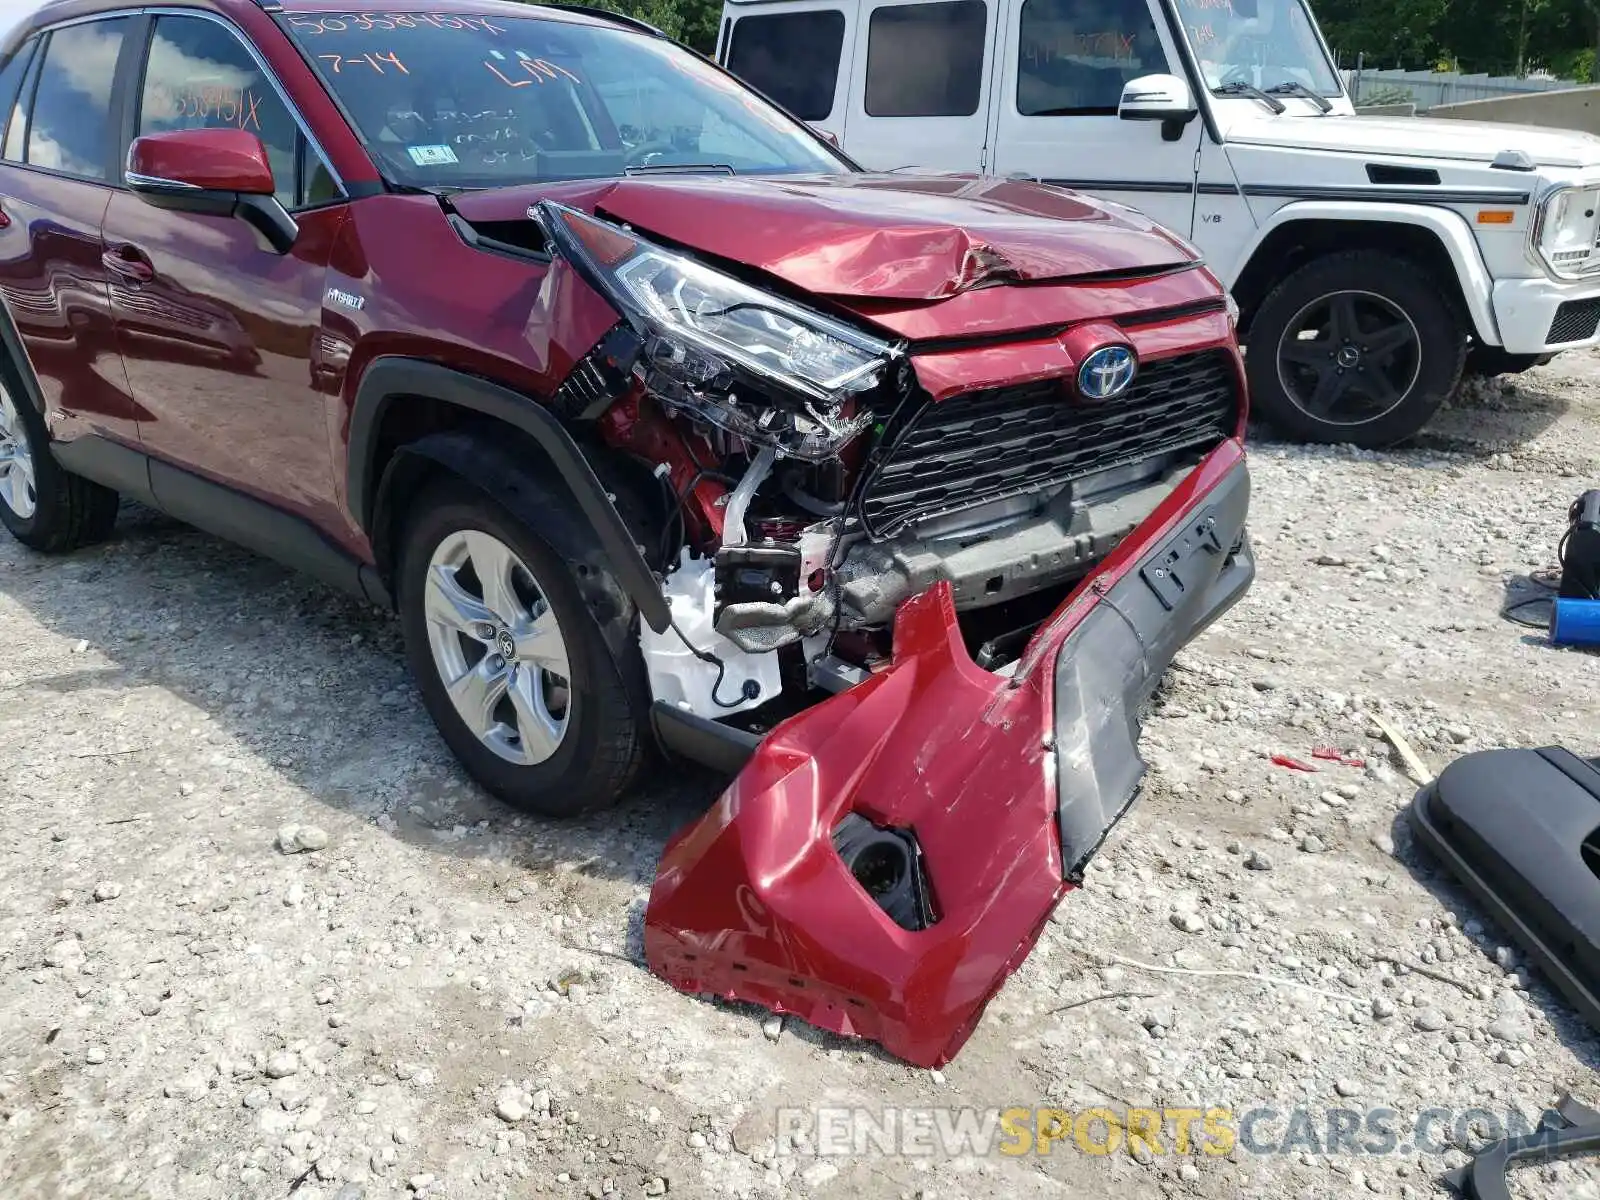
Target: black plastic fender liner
[(391, 379), (1111, 665), (1521, 830)]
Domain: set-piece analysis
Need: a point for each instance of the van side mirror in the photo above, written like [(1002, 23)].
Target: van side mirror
[(222, 172), (1164, 98)]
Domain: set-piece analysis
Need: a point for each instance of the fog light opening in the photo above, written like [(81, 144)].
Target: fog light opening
[(887, 865), (881, 868)]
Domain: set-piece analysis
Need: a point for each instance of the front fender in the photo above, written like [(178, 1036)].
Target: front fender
[(1447, 225)]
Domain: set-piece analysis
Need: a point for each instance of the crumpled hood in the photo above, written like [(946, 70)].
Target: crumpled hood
[(889, 237), (1420, 137)]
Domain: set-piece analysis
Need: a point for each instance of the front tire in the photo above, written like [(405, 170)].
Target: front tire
[(510, 662), (44, 506), (1357, 348)]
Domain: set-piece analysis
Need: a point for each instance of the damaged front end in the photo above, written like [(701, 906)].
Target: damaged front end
[(919, 590), (996, 791)]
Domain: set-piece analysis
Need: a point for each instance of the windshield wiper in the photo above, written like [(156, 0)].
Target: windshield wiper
[(1290, 87), (1240, 88), (679, 168)]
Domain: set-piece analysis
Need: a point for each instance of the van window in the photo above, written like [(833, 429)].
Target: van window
[(1074, 56), (793, 58), (926, 60)]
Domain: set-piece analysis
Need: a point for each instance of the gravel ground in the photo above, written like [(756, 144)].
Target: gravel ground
[(434, 995)]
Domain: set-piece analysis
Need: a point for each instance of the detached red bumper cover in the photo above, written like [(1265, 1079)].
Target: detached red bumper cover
[(1002, 788)]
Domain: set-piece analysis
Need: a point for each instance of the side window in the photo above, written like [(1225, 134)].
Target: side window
[(70, 126), (1074, 56), (16, 82), (926, 60), (200, 76), (791, 57)]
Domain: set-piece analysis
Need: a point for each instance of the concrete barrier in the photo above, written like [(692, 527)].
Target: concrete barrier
[(1386, 110), (1571, 108)]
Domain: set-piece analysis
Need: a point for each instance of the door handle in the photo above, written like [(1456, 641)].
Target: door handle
[(129, 263)]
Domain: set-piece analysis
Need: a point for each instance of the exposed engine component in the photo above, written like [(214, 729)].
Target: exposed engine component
[(773, 594), (733, 527), (989, 561), (691, 665)]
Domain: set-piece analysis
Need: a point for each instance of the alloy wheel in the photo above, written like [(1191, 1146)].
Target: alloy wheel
[(498, 647), (18, 490), (1349, 358)]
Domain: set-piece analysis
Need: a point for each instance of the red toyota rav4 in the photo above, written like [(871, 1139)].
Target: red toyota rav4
[(663, 427)]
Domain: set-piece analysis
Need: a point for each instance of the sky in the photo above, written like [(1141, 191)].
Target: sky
[(12, 12)]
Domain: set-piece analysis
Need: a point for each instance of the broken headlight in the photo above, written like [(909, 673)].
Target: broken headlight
[(741, 358)]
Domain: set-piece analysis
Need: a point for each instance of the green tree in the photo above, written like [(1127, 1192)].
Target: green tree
[(693, 22), (1395, 33)]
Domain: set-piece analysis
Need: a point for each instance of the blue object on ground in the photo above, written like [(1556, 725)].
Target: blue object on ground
[(1575, 622)]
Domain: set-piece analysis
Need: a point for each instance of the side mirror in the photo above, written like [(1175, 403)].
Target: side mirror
[(1164, 98), (826, 135), (220, 172)]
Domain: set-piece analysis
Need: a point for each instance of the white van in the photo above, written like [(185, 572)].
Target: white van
[(1372, 259)]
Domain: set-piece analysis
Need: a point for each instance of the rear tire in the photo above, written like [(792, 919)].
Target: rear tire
[(45, 507), (536, 708), (1360, 348)]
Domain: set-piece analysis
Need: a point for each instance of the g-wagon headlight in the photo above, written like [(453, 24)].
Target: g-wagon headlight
[(1564, 233)]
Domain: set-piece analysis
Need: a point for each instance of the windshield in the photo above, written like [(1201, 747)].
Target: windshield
[(1263, 43), (448, 100)]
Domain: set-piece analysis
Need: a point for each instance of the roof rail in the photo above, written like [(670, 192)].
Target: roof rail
[(594, 10)]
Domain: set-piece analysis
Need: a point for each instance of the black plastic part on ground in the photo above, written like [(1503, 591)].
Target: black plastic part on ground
[(1112, 664), (1575, 1130), (1521, 830), (1580, 550)]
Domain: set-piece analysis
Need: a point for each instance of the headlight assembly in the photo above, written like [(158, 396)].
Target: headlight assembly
[(743, 358), (1565, 232)]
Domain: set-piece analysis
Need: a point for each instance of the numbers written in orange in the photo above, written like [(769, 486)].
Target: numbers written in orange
[(239, 107), (366, 22), (373, 60)]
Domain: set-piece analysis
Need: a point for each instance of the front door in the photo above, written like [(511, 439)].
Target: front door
[(216, 329), (1063, 64)]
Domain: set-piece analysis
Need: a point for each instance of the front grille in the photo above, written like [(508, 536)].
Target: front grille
[(984, 446), (1575, 321)]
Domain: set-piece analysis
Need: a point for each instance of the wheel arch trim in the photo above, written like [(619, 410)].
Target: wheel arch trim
[(1450, 228), (389, 379)]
